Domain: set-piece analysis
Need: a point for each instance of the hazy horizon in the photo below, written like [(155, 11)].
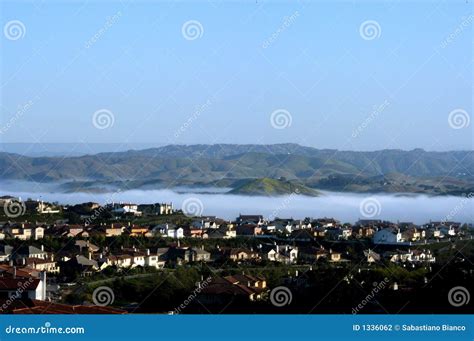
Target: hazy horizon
[(330, 75)]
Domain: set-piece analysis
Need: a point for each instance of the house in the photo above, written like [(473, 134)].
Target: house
[(136, 231), (115, 230), (280, 253), (16, 284), (312, 254), (122, 208), (250, 219), (413, 234), (239, 254), (85, 244), (85, 265), (223, 232), (30, 252), (176, 233), (371, 256), (236, 288), (388, 236), (334, 256), (24, 231), (46, 265), (249, 230)]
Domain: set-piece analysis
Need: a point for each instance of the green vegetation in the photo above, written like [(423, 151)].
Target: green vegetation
[(273, 187)]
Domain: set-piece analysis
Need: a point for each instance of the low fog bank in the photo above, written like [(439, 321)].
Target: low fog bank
[(343, 206)]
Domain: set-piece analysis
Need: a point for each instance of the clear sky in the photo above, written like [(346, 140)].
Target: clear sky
[(348, 75)]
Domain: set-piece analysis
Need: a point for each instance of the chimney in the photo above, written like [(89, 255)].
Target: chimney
[(90, 256), (14, 272), (147, 252), (42, 247)]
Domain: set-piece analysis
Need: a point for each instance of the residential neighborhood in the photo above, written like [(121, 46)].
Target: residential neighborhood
[(62, 254)]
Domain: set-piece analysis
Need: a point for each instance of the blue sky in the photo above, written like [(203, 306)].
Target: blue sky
[(250, 59)]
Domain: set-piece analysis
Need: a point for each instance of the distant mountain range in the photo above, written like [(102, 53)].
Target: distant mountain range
[(236, 166)]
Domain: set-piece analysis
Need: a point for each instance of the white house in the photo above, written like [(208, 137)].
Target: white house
[(388, 236)]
